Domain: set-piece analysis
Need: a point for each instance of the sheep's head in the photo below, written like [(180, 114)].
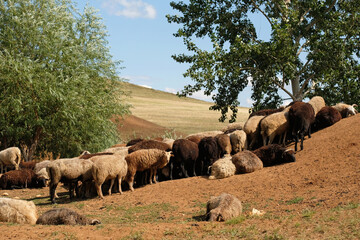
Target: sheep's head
[(289, 155), (214, 215), (169, 155)]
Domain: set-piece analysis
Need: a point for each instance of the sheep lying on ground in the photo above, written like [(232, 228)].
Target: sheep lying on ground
[(232, 127), (246, 162), (346, 110), (144, 159), (317, 103), (326, 117), (301, 117), (208, 154), (24, 178), (222, 168), (10, 157), (185, 153), (224, 144), (64, 216), (149, 144), (17, 211), (223, 208), (107, 167), (273, 125), (275, 154), (252, 130), (238, 141), (68, 170)]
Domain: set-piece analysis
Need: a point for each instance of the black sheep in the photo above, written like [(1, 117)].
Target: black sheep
[(326, 117), (301, 117), (185, 153), (274, 154), (208, 153)]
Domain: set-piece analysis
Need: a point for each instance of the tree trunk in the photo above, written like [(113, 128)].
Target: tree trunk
[(295, 85), (27, 151)]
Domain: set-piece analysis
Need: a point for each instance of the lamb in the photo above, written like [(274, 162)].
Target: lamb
[(275, 154), (232, 127), (10, 157), (149, 144), (246, 162), (23, 178), (252, 130), (208, 153), (185, 153), (326, 117), (143, 159), (107, 167), (301, 117), (273, 125), (64, 216), (238, 141), (346, 110), (222, 168), (224, 144), (223, 207), (17, 211), (68, 170), (317, 103), (266, 112)]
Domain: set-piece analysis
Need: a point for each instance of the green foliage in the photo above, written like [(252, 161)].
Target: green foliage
[(313, 47), (59, 85)]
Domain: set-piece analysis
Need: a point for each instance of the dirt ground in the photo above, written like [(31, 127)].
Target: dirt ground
[(316, 197)]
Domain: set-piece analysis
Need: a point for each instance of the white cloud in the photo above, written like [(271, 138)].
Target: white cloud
[(130, 8), (171, 90)]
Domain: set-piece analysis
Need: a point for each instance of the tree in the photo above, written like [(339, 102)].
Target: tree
[(59, 85), (311, 44)]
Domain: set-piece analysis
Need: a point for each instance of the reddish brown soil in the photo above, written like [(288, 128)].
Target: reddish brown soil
[(325, 175)]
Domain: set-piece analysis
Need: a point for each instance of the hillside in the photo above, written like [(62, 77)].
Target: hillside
[(181, 115), (316, 197)]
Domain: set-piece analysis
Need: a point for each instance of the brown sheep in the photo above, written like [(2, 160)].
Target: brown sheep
[(224, 144), (326, 117), (275, 154), (150, 144), (64, 216), (144, 159), (27, 165), (23, 178), (185, 153), (246, 162), (223, 208)]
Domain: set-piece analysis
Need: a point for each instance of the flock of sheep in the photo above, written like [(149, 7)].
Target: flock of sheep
[(217, 154)]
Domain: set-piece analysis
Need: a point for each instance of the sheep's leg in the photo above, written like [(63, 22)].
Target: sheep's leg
[(284, 138), (111, 185), (71, 190), (171, 169), (119, 184), (98, 190), (183, 170), (194, 173), (130, 181), (52, 188), (264, 137), (271, 138), (296, 142)]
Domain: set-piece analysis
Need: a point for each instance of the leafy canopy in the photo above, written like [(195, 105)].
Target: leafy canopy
[(59, 86), (313, 46)]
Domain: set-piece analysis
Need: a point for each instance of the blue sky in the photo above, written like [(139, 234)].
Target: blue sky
[(141, 37)]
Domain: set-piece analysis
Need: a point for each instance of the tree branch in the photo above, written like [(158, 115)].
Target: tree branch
[(306, 82), (316, 20), (283, 88), (257, 7), (301, 48)]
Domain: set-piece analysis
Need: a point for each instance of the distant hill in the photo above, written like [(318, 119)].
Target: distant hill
[(171, 114)]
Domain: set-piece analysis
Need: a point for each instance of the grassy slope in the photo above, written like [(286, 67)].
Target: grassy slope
[(186, 115)]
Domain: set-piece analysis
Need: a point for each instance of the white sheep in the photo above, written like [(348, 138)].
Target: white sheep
[(222, 168), (144, 159), (317, 103), (204, 134), (252, 129), (232, 127), (107, 167), (68, 170), (10, 157), (346, 110), (238, 141), (17, 211), (276, 124)]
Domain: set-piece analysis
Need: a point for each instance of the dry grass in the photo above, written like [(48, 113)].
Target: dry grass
[(185, 115)]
